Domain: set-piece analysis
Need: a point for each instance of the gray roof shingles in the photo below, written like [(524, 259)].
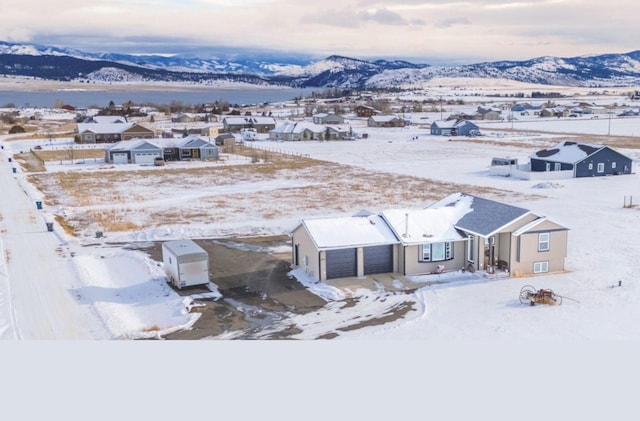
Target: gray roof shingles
[(486, 217)]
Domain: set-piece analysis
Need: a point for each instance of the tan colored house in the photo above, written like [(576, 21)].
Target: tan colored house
[(460, 232), (385, 121), (234, 124), (112, 132)]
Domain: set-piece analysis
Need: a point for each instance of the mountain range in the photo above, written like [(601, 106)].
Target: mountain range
[(262, 67)]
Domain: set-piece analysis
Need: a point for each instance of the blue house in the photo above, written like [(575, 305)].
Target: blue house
[(454, 128), (583, 159)]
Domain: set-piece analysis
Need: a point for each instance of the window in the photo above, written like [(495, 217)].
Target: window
[(470, 248), (601, 167), (590, 165), (557, 166), (613, 164), (436, 252), (540, 267), (547, 167), (543, 241)]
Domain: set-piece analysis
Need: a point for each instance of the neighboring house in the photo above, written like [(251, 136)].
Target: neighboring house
[(365, 111), (111, 132), (460, 231), (488, 114), (385, 121), (328, 118), (583, 159), (454, 128), (555, 112), (136, 151), (299, 130), (189, 148), (188, 117), (101, 119), (225, 139), (261, 124)]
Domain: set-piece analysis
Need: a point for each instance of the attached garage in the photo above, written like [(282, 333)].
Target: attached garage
[(136, 151), (342, 263), (378, 259), (120, 158), (146, 157)]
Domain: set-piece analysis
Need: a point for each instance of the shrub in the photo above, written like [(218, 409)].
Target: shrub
[(16, 129)]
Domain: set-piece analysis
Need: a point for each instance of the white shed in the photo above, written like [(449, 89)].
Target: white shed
[(185, 263)]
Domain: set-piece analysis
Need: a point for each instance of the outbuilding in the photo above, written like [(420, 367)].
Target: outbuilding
[(185, 263)]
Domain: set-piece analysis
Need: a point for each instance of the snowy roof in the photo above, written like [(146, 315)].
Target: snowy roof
[(104, 127), (485, 217), (183, 247), (349, 231), (128, 145), (418, 226), (105, 119), (383, 118), (298, 127), (567, 152), (250, 120), (193, 142)]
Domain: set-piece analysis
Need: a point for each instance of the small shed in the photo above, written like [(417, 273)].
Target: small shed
[(185, 263)]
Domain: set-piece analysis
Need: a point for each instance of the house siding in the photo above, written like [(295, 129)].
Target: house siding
[(307, 248), (607, 157), (413, 265), (529, 254)]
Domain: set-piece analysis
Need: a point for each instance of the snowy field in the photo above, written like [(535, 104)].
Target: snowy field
[(458, 326)]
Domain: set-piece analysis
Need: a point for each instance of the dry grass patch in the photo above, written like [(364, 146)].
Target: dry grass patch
[(66, 226), (114, 220), (69, 154), (29, 162)]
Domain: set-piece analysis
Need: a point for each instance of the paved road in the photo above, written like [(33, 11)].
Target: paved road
[(37, 274)]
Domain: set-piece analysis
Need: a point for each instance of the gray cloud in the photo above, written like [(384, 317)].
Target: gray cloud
[(448, 23), (383, 16)]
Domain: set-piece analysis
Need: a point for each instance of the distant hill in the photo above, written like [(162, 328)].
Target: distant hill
[(268, 68)]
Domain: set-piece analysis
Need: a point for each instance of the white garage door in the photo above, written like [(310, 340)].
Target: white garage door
[(120, 158), (146, 158)]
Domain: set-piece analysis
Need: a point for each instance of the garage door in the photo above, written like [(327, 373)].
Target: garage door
[(145, 158), (120, 158), (378, 259), (341, 263)]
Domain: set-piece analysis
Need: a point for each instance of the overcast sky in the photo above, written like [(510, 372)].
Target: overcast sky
[(434, 31)]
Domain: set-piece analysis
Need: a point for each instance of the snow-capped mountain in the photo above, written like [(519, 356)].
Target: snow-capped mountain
[(267, 67)]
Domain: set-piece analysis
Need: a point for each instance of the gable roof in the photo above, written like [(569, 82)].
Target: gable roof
[(568, 152), (486, 217), (298, 127), (384, 118), (349, 231), (104, 127), (133, 144)]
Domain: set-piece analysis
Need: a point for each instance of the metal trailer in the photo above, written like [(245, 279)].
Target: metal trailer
[(185, 263)]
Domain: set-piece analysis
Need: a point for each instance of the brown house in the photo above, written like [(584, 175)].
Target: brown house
[(365, 111)]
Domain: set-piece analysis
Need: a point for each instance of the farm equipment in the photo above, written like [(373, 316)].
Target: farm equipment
[(529, 295)]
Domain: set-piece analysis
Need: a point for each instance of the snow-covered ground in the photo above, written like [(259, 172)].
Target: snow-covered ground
[(53, 288)]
